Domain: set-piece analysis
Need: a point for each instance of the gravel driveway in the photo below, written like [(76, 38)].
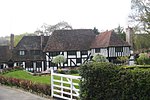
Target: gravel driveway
[(7, 93)]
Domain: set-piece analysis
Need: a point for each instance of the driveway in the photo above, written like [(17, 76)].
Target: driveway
[(7, 93)]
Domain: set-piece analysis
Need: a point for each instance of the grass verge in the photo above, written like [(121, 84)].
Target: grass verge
[(21, 74)]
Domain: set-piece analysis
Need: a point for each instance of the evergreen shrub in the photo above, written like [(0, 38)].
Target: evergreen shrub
[(106, 81)]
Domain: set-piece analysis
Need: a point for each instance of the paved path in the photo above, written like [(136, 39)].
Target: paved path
[(7, 93)]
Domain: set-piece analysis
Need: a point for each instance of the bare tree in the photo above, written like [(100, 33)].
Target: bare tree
[(46, 29), (140, 16)]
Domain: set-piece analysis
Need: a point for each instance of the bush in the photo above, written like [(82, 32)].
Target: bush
[(99, 58), (26, 85), (97, 80), (143, 59), (6, 70), (73, 71), (62, 71), (60, 59), (123, 59), (105, 81), (134, 84), (137, 66)]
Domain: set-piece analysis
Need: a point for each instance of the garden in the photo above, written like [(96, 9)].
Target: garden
[(100, 80), (19, 78), (106, 81), (34, 83)]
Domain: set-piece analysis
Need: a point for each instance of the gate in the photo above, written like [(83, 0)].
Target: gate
[(65, 86)]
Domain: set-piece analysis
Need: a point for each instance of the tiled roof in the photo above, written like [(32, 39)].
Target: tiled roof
[(106, 39), (31, 43), (5, 53), (66, 40)]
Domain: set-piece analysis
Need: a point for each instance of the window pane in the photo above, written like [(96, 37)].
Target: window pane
[(97, 50), (118, 49), (71, 52), (84, 52), (79, 60), (21, 52)]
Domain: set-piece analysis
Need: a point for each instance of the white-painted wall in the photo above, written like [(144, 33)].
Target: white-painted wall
[(23, 64), (78, 54), (112, 53), (69, 58), (42, 66), (47, 58), (65, 54), (92, 52), (103, 51)]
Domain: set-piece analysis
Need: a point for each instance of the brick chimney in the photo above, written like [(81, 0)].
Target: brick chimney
[(42, 40), (12, 41), (129, 36)]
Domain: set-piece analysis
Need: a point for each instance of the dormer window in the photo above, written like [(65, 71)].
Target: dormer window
[(21, 53)]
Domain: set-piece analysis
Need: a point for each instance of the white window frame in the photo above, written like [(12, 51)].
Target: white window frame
[(21, 52)]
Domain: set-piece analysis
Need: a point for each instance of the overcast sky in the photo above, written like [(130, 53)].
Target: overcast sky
[(20, 16)]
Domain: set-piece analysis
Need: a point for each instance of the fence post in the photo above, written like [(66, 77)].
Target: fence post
[(71, 89), (62, 86), (52, 83)]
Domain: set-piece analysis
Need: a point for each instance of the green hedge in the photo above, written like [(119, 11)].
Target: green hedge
[(143, 61), (26, 85), (105, 81), (137, 66)]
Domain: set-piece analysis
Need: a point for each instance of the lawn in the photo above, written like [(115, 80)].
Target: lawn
[(21, 74), (24, 75)]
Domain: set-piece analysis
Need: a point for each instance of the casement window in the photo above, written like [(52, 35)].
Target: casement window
[(71, 52), (84, 52), (97, 50), (118, 49), (79, 60), (21, 52)]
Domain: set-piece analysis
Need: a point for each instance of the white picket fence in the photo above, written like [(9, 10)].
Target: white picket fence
[(64, 86)]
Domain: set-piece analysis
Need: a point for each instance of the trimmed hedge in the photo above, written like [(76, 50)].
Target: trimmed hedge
[(137, 66), (105, 81), (26, 85), (96, 82)]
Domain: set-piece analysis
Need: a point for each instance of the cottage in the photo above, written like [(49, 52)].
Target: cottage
[(80, 45), (35, 53), (29, 53), (73, 44), (110, 45)]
